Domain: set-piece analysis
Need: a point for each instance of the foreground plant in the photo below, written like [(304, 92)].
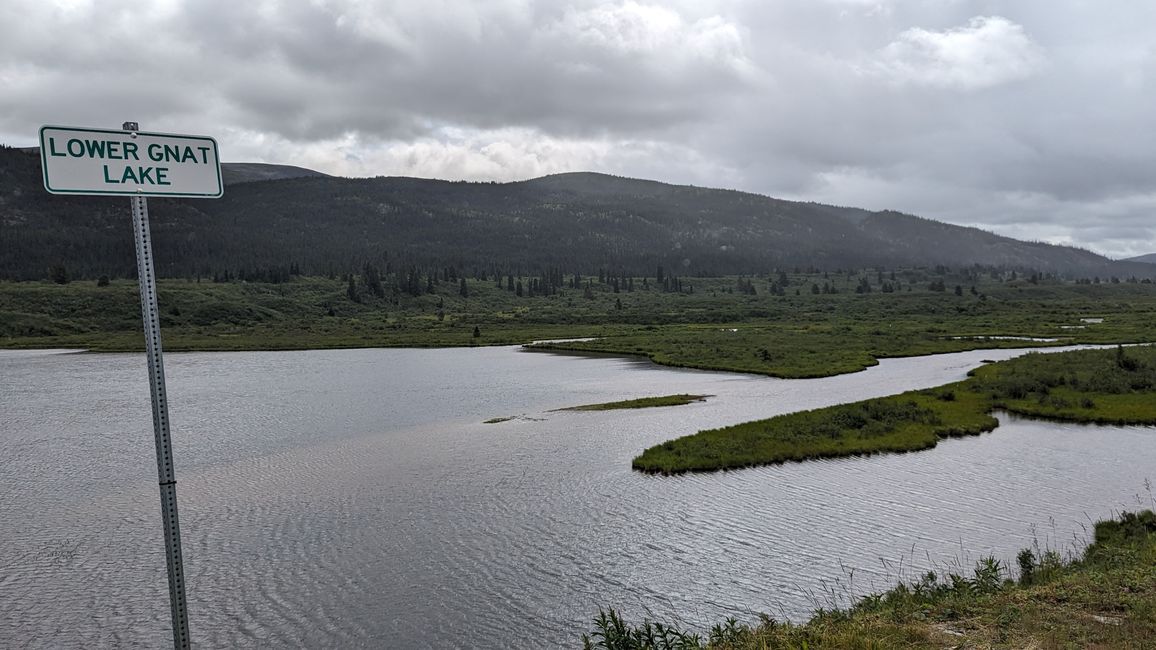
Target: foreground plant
[(1106, 598)]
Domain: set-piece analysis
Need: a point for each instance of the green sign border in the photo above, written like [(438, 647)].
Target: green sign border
[(51, 190)]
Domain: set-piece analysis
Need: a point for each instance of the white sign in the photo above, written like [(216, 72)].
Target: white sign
[(129, 163)]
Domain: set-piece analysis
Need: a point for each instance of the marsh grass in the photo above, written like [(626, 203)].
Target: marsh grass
[(1108, 386), (1114, 386), (906, 422)]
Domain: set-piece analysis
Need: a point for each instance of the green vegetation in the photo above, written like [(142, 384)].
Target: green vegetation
[(906, 422), (710, 323), (307, 313), (641, 403), (499, 420), (1096, 386), (1113, 386), (814, 335), (1104, 599)]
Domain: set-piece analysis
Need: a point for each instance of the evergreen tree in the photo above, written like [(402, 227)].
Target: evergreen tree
[(372, 280), (59, 274)]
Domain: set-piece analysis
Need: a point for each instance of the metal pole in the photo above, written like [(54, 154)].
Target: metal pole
[(165, 474)]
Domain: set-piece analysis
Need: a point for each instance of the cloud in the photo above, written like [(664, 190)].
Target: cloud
[(313, 71), (866, 7), (988, 51), (1027, 117), (632, 29), (509, 154)]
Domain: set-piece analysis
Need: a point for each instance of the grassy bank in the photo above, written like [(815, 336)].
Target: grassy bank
[(1105, 598), (1113, 386), (640, 403)]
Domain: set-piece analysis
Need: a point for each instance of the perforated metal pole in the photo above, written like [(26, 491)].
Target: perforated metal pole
[(167, 477)]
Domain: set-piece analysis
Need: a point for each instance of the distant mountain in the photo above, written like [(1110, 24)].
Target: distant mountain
[(1150, 258), (235, 173), (577, 222)]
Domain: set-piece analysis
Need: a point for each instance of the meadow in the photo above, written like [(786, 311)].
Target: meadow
[(784, 324)]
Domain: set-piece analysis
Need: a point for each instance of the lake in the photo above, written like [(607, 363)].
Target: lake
[(354, 498)]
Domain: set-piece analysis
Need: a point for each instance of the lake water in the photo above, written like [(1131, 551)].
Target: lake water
[(354, 498)]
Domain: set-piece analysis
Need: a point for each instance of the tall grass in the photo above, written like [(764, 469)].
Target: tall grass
[(1103, 598)]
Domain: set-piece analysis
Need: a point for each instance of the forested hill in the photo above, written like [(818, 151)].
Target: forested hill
[(578, 222), (233, 173)]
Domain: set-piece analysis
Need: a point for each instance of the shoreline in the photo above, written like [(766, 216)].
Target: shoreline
[(554, 346), (1098, 596)]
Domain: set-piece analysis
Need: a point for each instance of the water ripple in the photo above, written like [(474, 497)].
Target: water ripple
[(354, 499)]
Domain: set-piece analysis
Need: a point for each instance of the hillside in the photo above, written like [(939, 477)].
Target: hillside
[(235, 173), (1150, 258), (577, 222)]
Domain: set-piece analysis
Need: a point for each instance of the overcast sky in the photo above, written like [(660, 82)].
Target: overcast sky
[(1031, 118)]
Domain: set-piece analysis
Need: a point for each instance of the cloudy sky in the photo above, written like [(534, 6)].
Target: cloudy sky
[(1030, 118)]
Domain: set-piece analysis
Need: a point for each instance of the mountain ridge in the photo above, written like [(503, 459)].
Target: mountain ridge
[(1149, 258), (574, 221)]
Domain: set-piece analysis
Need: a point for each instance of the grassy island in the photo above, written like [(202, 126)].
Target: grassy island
[(1109, 386), (640, 403), (1106, 598)]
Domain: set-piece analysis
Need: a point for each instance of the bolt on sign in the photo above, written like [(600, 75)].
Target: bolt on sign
[(129, 163)]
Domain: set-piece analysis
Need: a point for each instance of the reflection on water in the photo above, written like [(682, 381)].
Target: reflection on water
[(355, 499)]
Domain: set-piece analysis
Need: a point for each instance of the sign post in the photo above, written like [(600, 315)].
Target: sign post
[(127, 162)]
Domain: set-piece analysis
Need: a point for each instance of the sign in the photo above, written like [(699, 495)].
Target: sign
[(139, 165), (129, 163)]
